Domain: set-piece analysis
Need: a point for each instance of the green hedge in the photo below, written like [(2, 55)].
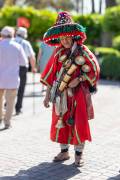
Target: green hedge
[(104, 51), (111, 20), (93, 27), (109, 60), (116, 42), (41, 20), (110, 67)]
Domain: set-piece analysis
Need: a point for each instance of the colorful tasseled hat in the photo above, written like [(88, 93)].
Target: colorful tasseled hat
[(64, 26)]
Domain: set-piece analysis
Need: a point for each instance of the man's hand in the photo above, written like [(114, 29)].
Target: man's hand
[(47, 98), (34, 70), (46, 102)]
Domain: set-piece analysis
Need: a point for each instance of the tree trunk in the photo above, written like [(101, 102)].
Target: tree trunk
[(77, 6), (110, 3), (106, 39), (82, 6), (100, 7), (1, 3), (93, 6)]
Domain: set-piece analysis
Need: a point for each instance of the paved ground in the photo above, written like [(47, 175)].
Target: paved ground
[(26, 152)]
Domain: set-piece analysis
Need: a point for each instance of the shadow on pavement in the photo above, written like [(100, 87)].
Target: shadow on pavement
[(44, 171), (114, 177)]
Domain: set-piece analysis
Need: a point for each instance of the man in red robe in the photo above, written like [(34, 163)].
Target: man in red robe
[(71, 76)]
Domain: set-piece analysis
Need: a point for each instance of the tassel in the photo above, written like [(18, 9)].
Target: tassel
[(60, 124), (70, 121)]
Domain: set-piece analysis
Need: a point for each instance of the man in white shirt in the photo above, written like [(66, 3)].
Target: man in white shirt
[(12, 56), (21, 35)]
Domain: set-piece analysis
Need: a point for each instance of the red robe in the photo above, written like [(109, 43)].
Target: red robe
[(79, 105)]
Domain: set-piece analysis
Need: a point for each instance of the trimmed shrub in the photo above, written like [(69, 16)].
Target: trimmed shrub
[(111, 20), (116, 42), (40, 21), (110, 67), (93, 27), (109, 60), (91, 48), (104, 51)]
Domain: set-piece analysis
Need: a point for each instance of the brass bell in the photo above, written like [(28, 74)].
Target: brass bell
[(86, 68), (79, 60)]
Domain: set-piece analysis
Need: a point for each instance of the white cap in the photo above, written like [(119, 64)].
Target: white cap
[(22, 32), (7, 31)]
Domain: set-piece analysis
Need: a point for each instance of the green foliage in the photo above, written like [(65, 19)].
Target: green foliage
[(116, 42), (103, 51), (37, 19), (111, 21), (93, 27), (109, 60), (91, 48), (40, 21), (110, 67)]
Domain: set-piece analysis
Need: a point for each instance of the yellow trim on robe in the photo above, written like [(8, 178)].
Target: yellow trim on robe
[(78, 138)]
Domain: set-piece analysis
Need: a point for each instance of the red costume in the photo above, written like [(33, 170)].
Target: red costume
[(79, 106)]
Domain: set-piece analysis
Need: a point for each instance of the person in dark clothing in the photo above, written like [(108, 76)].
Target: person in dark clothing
[(21, 35)]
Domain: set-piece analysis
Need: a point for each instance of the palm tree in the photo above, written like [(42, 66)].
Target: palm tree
[(100, 7), (1, 3), (93, 6), (82, 6), (77, 5)]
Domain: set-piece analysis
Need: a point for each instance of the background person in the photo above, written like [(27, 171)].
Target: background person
[(21, 35), (70, 75), (11, 57)]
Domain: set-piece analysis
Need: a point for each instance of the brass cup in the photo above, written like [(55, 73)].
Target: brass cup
[(80, 60), (86, 68)]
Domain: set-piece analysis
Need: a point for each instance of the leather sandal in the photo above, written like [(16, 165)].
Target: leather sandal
[(62, 156), (79, 162)]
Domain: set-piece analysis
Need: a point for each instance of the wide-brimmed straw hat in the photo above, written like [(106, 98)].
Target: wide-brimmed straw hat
[(64, 26)]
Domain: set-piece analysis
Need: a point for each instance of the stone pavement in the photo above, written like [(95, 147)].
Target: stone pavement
[(26, 151)]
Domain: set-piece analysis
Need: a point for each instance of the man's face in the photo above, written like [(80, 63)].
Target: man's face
[(66, 41)]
